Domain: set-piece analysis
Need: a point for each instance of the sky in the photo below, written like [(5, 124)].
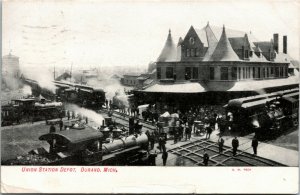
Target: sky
[(130, 33)]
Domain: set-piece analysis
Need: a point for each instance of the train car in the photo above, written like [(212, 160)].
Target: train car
[(82, 95), (28, 109), (266, 115), (84, 147)]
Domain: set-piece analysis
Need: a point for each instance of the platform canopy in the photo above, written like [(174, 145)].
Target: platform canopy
[(176, 88), (262, 84)]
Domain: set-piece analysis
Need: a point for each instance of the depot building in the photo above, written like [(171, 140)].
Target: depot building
[(214, 64)]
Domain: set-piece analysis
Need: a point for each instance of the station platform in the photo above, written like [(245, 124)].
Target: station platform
[(189, 153)]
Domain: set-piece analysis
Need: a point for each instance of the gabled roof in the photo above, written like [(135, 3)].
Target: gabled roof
[(224, 51), (169, 52), (264, 46)]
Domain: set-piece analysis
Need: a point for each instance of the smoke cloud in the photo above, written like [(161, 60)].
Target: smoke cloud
[(111, 87), (27, 90), (42, 75), (92, 115)]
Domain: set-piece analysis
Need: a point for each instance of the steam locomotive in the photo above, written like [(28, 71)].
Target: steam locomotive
[(82, 95), (29, 109), (87, 147), (267, 115)]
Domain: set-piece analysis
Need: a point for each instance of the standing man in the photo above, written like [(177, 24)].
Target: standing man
[(152, 140), (86, 120), (205, 158), (151, 157), (235, 145), (165, 157), (208, 131), (221, 144), (106, 103), (61, 124), (52, 129), (254, 145), (187, 132), (68, 114), (131, 125), (110, 104)]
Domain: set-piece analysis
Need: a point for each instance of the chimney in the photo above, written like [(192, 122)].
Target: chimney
[(276, 44), (285, 44)]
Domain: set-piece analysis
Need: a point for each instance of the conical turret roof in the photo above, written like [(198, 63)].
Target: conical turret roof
[(224, 51), (169, 51), (179, 41)]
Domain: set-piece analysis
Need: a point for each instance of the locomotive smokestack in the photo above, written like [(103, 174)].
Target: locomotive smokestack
[(285, 44), (276, 43)]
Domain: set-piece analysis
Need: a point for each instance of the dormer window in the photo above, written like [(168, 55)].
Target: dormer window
[(192, 41), (246, 54), (251, 53)]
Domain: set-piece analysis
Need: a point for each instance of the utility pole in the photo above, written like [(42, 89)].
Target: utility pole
[(71, 72), (54, 73)]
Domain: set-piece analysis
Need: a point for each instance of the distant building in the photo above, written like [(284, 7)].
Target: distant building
[(130, 79), (10, 65)]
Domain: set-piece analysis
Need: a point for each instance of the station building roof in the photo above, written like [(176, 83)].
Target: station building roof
[(221, 45), (176, 88)]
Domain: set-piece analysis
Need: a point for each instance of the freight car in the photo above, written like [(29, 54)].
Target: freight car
[(84, 147), (267, 115), (29, 109)]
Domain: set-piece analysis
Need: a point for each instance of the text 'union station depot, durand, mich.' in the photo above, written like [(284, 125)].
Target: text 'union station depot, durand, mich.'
[(214, 64)]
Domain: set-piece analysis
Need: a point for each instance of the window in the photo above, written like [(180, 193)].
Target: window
[(158, 73), (234, 73), (281, 71), (286, 71), (268, 72), (192, 41), (251, 53), (192, 52), (277, 72), (258, 72), (263, 71), (246, 54), (253, 72), (244, 76), (224, 73), (169, 72), (188, 54), (195, 73), (212, 73), (239, 75), (249, 73), (188, 73), (197, 52), (272, 70)]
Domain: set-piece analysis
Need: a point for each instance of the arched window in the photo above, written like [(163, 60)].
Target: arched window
[(192, 40)]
